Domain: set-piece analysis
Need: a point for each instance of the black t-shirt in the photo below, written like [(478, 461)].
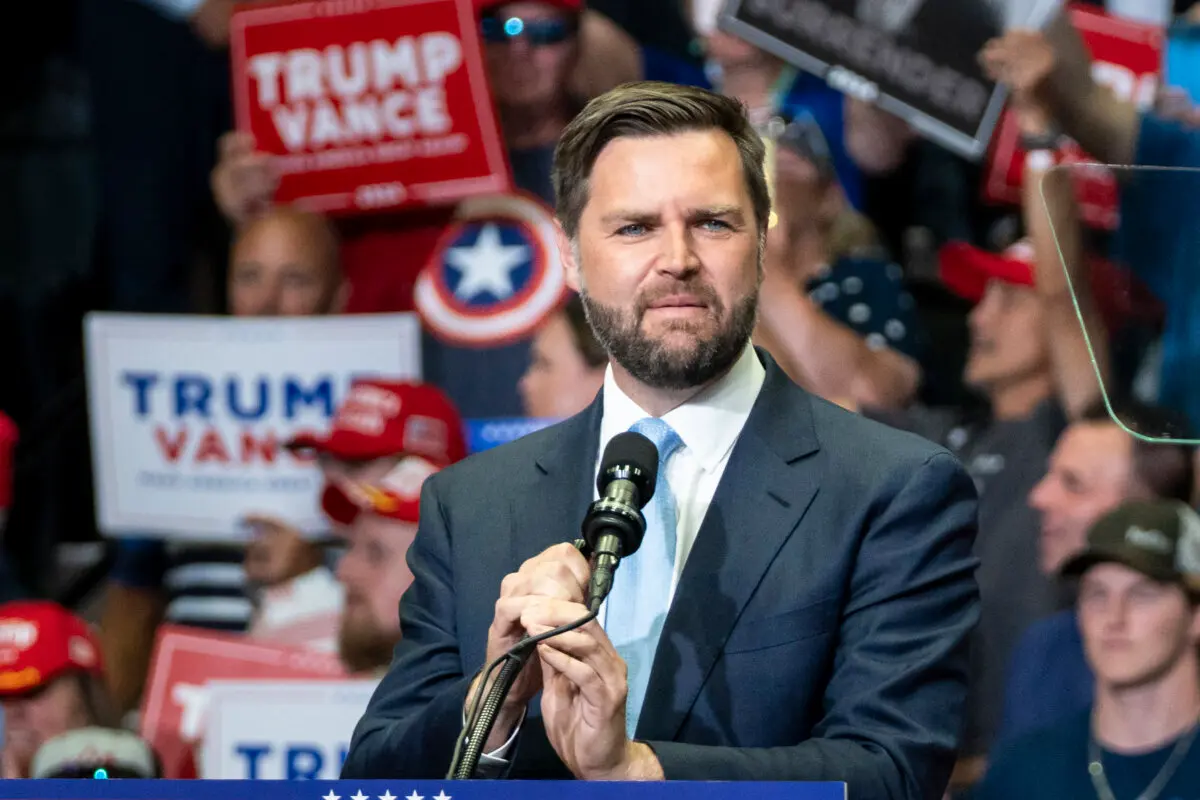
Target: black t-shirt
[(1052, 764)]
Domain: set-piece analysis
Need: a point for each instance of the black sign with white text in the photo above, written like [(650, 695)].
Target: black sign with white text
[(915, 58)]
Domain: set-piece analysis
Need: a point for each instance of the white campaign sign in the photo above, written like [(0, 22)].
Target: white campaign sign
[(189, 414), (274, 730)]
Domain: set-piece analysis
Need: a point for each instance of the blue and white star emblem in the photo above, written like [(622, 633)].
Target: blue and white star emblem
[(495, 275), (486, 265)]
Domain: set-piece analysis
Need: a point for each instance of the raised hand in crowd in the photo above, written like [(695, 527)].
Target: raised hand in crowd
[(278, 552), (1052, 69), (244, 180), (1022, 60)]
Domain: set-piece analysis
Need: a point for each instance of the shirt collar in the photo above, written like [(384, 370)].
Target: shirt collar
[(709, 424)]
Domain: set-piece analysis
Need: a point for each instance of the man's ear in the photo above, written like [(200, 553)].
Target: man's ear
[(567, 252)]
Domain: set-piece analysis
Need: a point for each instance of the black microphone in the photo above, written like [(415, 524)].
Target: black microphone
[(614, 525)]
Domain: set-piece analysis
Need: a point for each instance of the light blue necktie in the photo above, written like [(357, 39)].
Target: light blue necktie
[(641, 595)]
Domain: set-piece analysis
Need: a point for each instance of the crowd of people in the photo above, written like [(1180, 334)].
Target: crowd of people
[(1053, 360)]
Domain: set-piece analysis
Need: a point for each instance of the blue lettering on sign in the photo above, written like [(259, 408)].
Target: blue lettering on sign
[(252, 753), (484, 434), (294, 394), (244, 399), (192, 392), (235, 407), (304, 762), (141, 383)]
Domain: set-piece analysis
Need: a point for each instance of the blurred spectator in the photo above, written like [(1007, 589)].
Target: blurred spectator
[(539, 52), (284, 263), (378, 453), (831, 312), (567, 365), (1024, 358), (51, 680), (1095, 466), (96, 753), (1157, 236), (374, 573), (772, 89), (1139, 619)]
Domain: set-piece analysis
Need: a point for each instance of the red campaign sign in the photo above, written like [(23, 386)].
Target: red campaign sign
[(185, 659), (368, 104), (1126, 57)]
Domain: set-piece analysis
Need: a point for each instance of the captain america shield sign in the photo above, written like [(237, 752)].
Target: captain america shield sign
[(495, 274)]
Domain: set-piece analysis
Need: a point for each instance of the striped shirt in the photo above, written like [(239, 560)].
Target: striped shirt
[(204, 583)]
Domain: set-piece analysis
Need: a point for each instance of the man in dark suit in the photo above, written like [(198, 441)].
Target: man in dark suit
[(800, 605)]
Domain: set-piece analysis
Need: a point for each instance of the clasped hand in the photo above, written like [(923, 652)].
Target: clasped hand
[(579, 673)]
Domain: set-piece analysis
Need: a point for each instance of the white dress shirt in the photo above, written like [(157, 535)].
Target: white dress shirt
[(709, 425)]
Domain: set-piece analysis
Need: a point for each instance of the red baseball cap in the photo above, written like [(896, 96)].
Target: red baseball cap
[(397, 495), (380, 419), (966, 271), (39, 641)]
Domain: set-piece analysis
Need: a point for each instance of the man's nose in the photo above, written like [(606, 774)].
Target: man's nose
[(679, 252)]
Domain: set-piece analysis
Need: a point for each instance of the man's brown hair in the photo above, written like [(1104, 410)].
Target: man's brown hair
[(651, 108)]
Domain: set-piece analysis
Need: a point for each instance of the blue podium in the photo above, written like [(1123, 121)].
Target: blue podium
[(413, 790)]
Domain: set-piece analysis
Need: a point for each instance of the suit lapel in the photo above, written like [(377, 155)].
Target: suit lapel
[(550, 510), (763, 493)]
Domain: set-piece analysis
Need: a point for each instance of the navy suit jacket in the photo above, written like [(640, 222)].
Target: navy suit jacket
[(818, 631)]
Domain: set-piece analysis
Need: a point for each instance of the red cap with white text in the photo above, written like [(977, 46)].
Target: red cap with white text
[(39, 641)]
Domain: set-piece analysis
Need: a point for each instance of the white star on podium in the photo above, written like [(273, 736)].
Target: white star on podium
[(389, 796), (486, 266), (331, 796), (415, 796), (441, 795), (358, 795)]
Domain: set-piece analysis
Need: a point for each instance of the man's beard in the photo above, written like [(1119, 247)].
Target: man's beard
[(657, 364), (364, 646)]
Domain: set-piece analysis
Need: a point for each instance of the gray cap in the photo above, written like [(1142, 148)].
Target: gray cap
[(95, 748)]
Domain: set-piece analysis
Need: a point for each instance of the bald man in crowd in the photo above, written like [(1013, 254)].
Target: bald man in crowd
[(286, 263), (283, 264)]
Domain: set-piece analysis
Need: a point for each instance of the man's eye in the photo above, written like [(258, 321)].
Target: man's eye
[(716, 225), (632, 229)]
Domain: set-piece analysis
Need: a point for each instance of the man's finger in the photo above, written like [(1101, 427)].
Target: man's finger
[(549, 584), (583, 676), (552, 612), (569, 557), (590, 647)]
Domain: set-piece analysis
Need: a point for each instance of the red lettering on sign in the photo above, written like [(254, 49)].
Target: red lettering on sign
[(263, 447), (211, 448), (170, 448)]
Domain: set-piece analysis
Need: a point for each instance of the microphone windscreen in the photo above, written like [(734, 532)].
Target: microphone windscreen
[(630, 456)]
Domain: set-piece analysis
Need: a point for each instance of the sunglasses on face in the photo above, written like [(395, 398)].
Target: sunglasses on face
[(535, 31)]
